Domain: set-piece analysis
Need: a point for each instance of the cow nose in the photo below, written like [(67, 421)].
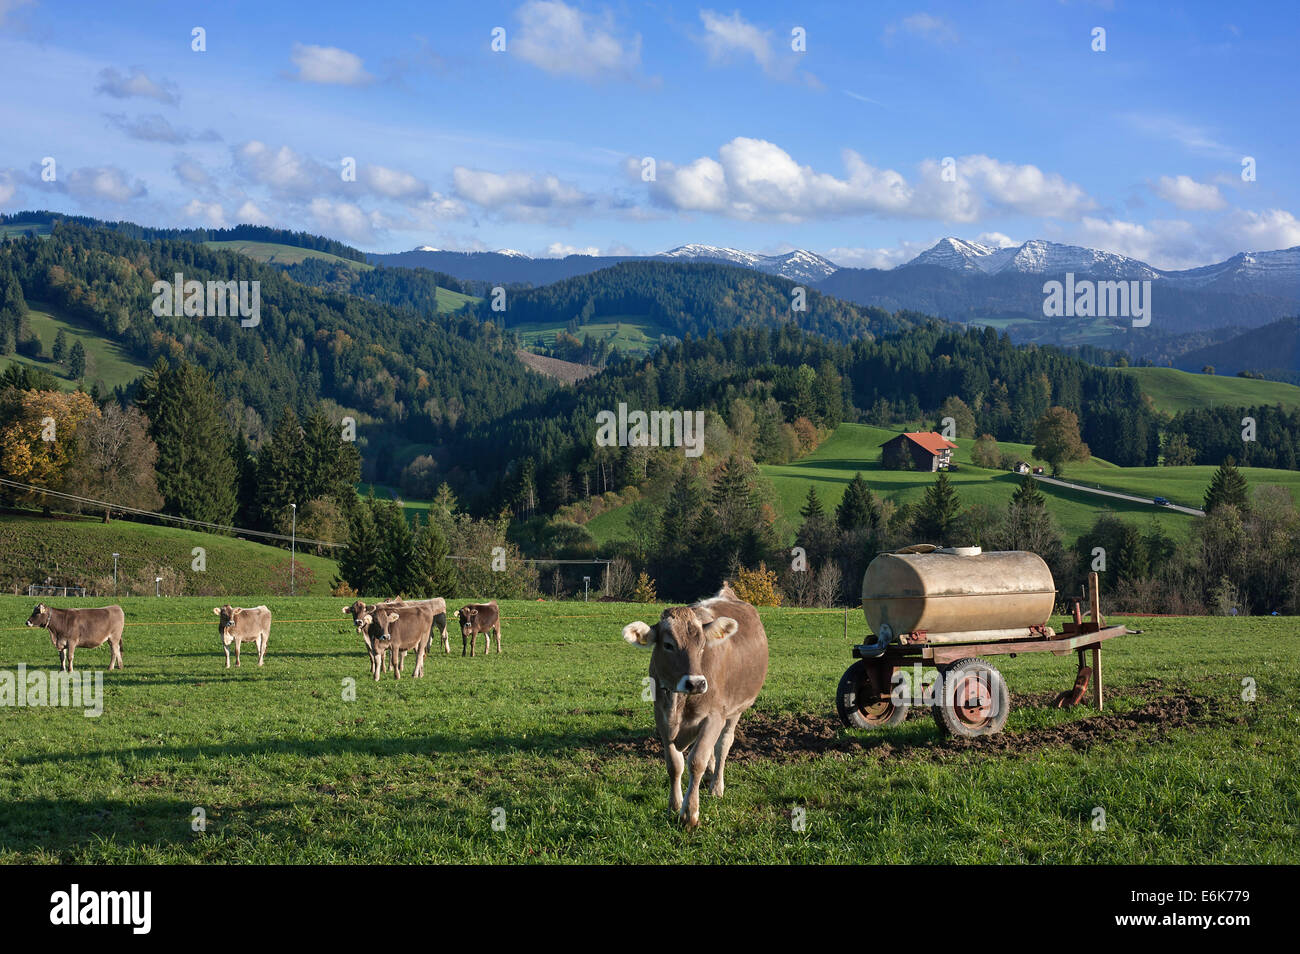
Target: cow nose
[(693, 685)]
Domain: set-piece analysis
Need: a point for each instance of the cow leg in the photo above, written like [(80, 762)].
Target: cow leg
[(497, 629), (399, 660), (464, 641), (676, 763), (261, 648), (117, 651), (446, 643), (473, 643), (227, 650), (701, 752), (72, 651), (238, 642), (376, 663), (419, 655), (720, 752)]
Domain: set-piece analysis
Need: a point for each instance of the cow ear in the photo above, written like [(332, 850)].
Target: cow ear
[(724, 627), (638, 633), (216, 610), (346, 610), (366, 619)]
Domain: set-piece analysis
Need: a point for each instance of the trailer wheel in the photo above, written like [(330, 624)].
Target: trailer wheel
[(974, 699), (859, 712)]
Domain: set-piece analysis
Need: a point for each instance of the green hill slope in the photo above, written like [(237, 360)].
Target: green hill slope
[(273, 253), (106, 361), (79, 551), (1174, 391)]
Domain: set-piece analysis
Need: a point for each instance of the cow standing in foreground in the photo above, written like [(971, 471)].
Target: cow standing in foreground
[(71, 629), (478, 618), (239, 625), (399, 627), (708, 662)]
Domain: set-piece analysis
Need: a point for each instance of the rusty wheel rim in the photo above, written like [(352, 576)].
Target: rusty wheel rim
[(876, 711), (972, 701)]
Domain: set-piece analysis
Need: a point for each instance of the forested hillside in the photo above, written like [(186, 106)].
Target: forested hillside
[(695, 299)]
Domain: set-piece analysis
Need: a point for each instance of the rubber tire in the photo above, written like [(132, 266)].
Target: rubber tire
[(950, 723), (846, 704)]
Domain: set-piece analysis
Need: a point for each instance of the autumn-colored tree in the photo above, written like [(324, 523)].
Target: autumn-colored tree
[(38, 433), (645, 590), (985, 453), (757, 586), (1057, 440), (115, 461), (963, 417)]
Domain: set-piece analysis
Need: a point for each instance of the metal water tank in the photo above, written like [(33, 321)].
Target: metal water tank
[(957, 595)]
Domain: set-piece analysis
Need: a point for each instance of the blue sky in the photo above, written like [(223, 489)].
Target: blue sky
[(840, 148)]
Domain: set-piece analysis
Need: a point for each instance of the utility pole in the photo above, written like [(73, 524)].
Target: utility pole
[(115, 556), (293, 547)]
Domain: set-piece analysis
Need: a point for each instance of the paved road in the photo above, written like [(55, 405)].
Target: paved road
[(1118, 496)]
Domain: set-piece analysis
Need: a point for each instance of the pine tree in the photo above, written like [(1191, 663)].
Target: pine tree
[(196, 472), (432, 574), (858, 507), (396, 549), (281, 469), (359, 564), (937, 515), (77, 361), (1028, 494), (1227, 486), (60, 352)]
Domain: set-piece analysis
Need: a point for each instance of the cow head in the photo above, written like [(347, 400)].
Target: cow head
[(40, 616), (357, 611), (466, 616), (380, 621), (677, 644), (227, 621)]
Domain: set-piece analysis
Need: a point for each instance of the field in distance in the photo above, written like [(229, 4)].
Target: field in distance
[(630, 334), (275, 253), (555, 739), (106, 361), (1173, 391)]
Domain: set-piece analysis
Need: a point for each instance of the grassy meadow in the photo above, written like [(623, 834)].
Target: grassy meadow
[(553, 739)]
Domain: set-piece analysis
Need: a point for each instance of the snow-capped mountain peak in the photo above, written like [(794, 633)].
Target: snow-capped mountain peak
[(798, 265), (1035, 257)]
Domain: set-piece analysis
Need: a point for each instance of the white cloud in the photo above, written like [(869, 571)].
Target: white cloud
[(137, 83), (995, 239), (520, 194), (250, 214), (190, 172), (1190, 136), (8, 186), (1186, 193), (757, 179), (560, 250), (564, 41), (283, 170), (1262, 231), (329, 65), (346, 219), (104, 182), (729, 36), (392, 183), (209, 213), (926, 26), (156, 128)]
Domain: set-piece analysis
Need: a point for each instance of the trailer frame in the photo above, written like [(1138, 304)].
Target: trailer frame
[(1081, 636)]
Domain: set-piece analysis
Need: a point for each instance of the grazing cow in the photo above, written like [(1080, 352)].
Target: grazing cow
[(397, 627), (708, 662), (71, 629), (478, 618), (243, 626), (439, 615)]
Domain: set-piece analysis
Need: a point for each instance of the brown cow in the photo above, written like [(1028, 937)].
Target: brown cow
[(396, 627), (708, 662), (478, 618), (239, 625), (439, 615), (71, 629)]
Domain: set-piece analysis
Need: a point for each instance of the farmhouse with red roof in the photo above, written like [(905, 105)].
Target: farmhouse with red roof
[(917, 451)]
